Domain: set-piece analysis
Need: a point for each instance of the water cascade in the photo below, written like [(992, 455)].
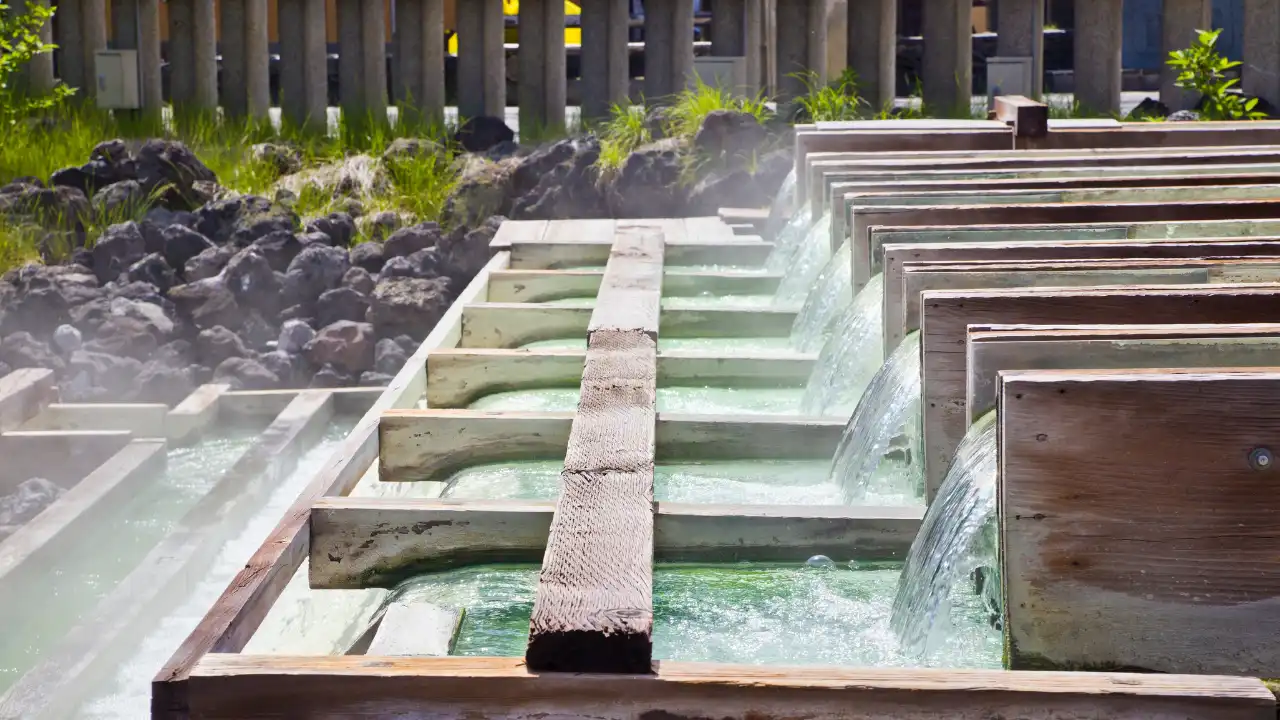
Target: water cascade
[(850, 357), (789, 240), (832, 292), (878, 459), (780, 208), (805, 263), (956, 539)]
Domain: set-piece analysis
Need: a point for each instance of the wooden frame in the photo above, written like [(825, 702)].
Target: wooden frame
[(509, 325), (534, 286)]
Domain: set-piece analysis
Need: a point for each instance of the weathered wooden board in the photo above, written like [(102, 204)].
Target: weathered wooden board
[(631, 289), (1028, 118), (947, 314), (239, 611), (1042, 214), (991, 349), (518, 231), (532, 286), (1129, 543), (23, 394), (63, 457), (458, 377), (421, 445), (743, 251), (708, 229), (376, 542), (196, 412), (246, 687), (240, 404), (141, 419)]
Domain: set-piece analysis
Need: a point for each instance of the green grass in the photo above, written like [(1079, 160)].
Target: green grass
[(835, 101)]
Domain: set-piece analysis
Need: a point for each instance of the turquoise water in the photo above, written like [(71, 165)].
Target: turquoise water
[(692, 302), (730, 482), (718, 345), (751, 613), (705, 400)]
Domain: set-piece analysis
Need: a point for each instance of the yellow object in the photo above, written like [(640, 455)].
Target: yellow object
[(511, 8)]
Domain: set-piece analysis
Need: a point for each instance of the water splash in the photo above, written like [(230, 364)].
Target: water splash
[(850, 357), (805, 264), (956, 539), (780, 208), (831, 294), (788, 241), (878, 459)]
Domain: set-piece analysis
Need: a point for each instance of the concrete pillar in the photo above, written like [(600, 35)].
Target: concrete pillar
[(482, 61), (304, 71), (873, 48), (837, 38), (755, 46), (419, 56), (373, 57), (70, 52), (198, 76), (1098, 39), (36, 77), (606, 77), (728, 28), (136, 25), (1021, 34), (541, 80), (124, 25), (93, 37), (1260, 74), (668, 47), (947, 75), (1179, 22), (245, 88), (350, 67), (362, 74), (801, 46)]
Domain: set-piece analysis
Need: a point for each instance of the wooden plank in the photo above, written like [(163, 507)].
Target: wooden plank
[(140, 419), (991, 349), (244, 687), (196, 412), (377, 542), (269, 403), (416, 630), (241, 608), (947, 314), (1161, 555), (631, 289), (1040, 214), (598, 231), (23, 394), (63, 457), (510, 325), (517, 231), (429, 445), (743, 251), (1028, 118), (533, 286), (89, 503), (708, 229), (100, 640), (1163, 135)]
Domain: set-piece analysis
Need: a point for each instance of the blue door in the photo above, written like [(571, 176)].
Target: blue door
[(1141, 40), (1229, 15)]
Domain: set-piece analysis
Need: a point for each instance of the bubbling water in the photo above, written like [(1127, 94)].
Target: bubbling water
[(850, 357), (832, 293)]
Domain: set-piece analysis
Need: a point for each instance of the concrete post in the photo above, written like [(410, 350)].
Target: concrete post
[(1260, 74), (137, 27), (1179, 23), (193, 64), (605, 54), (668, 47), (419, 55), (802, 46), (728, 28), (350, 66), (257, 66), (541, 80), (482, 61), (373, 57), (93, 37), (362, 74), (1097, 54), (37, 75), (947, 75), (70, 52), (754, 44), (1021, 34), (873, 49), (245, 88), (304, 73), (837, 38)]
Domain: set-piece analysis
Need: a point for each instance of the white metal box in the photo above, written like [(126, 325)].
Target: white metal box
[(1009, 76), (117, 77), (725, 73)]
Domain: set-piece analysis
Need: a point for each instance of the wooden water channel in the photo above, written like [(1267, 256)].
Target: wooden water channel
[(1122, 334)]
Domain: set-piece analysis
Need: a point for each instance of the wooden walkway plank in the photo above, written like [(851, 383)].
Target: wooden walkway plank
[(631, 289), (23, 394)]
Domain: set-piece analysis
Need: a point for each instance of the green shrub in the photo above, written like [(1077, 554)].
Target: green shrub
[(20, 42), (1202, 69), (838, 100)]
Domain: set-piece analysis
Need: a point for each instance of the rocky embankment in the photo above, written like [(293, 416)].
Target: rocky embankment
[(213, 286)]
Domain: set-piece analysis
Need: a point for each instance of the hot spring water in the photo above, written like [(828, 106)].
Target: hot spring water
[(803, 265), (687, 400), (789, 240), (850, 356), (832, 292)]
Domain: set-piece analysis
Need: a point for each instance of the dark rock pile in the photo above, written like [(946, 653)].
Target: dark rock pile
[(215, 287)]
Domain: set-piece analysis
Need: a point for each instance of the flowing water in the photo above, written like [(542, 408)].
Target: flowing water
[(805, 263), (780, 208), (753, 613), (126, 693), (789, 240), (699, 344), (850, 357), (41, 606), (730, 482), (689, 400), (956, 541), (831, 294), (878, 459)]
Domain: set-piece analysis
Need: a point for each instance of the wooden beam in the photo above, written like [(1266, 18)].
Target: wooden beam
[(63, 457), (593, 607), (1135, 544), (141, 419), (23, 394), (744, 251), (196, 412), (419, 445), (239, 611), (242, 687), (1027, 117), (993, 348), (377, 542), (269, 403), (533, 286), (948, 313)]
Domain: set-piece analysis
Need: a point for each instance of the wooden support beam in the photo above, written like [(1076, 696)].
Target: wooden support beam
[(948, 313), (593, 607), (377, 542), (744, 251), (993, 348), (245, 687), (508, 325), (421, 445), (196, 412), (257, 403), (143, 420), (1027, 117), (532, 286), (23, 394), (62, 457), (1135, 544)]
